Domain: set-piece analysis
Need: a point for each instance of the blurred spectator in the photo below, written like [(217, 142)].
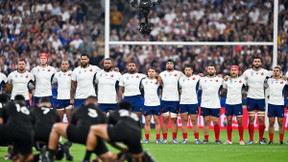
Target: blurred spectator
[(115, 19), (86, 47)]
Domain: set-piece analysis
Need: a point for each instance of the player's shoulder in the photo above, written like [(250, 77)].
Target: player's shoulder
[(2, 74), (13, 73), (94, 67), (141, 75)]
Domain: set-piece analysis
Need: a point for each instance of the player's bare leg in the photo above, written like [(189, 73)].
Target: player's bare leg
[(251, 126), (184, 119), (174, 117), (281, 129), (59, 129), (61, 114), (240, 129), (261, 121), (68, 113), (138, 113), (147, 128), (194, 120), (26, 158), (165, 117), (215, 121), (271, 129), (157, 127), (206, 129)]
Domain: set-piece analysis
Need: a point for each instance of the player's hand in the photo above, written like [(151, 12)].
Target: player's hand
[(116, 69), (72, 101), (226, 77), (124, 149)]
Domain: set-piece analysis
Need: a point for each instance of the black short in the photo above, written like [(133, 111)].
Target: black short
[(78, 134), (21, 139), (130, 136), (42, 134)]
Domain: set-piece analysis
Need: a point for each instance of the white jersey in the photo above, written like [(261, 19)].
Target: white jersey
[(234, 90), (151, 97), (131, 83), (107, 84), (64, 84), (189, 87), (20, 82), (211, 92), (170, 85), (255, 82), (85, 81), (43, 78), (3, 79), (276, 90)]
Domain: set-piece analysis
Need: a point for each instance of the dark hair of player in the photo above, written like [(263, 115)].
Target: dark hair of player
[(20, 99), (64, 60), (22, 60), (257, 57), (278, 67), (187, 66), (132, 62), (4, 98), (152, 67), (108, 59), (125, 105), (84, 54), (211, 65), (45, 100), (169, 60)]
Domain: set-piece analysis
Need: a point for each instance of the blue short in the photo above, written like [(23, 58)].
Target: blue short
[(108, 107), (237, 110), (135, 101), (152, 110), (78, 102), (61, 104), (210, 112), (275, 111), (170, 106), (27, 102), (190, 108), (37, 99), (255, 104)]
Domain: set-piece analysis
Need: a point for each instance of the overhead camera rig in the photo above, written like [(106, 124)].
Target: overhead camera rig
[(145, 6)]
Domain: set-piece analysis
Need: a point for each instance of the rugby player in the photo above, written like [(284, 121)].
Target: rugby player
[(170, 99)]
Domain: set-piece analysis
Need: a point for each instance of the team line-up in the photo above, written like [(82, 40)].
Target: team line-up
[(178, 92)]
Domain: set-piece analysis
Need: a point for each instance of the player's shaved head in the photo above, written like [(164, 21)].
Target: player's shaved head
[(125, 105), (91, 100), (45, 101), (20, 99), (4, 98)]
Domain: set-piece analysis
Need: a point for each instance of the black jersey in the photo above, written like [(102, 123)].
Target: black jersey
[(43, 119), (87, 116), (1, 110), (130, 118), (17, 116)]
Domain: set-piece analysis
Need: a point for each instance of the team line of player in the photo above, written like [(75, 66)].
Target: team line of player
[(178, 93)]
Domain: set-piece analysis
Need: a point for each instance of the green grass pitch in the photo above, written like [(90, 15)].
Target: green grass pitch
[(210, 152)]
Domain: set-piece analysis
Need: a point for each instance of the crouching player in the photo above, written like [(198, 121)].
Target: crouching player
[(234, 86), (78, 129), (123, 126), (276, 103)]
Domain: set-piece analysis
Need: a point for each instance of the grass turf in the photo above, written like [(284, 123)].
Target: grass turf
[(210, 152)]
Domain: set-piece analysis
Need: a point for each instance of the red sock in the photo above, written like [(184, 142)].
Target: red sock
[(196, 135), (281, 137), (271, 136), (206, 137), (240, 129), (217, 132), (157, 136), (174, 134), (184, 135), (229, 132), (251, 131), (147, 136), (261, 131), (165, 136)]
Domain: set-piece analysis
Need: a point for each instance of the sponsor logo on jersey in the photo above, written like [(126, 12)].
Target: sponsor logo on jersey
[(137, 76), (262, 73), (112, 76), (175, 75), (90, 70), (281, 82), (26, 76), (217, 80), (193, 78), (49, 70), (240, 81), (69, 74)]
